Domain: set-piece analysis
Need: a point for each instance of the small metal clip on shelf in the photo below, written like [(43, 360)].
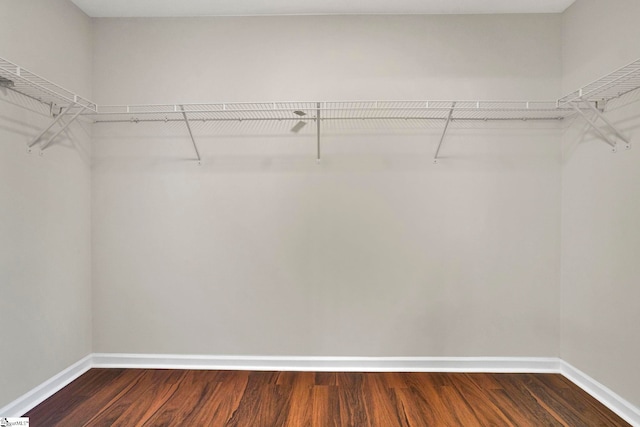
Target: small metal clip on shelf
[(72, 106)]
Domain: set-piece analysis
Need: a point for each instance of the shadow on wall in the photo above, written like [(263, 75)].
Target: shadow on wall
[(8, 96), (130, 146)]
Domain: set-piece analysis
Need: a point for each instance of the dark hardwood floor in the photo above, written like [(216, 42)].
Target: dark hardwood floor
[(131, 397)]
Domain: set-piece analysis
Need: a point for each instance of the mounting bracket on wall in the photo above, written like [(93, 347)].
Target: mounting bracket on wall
[(57, 118), (195, 147), (444, 131), (318, 157), (596, 127)]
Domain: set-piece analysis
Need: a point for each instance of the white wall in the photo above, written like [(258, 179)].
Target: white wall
[(327, 57), (45, 289), (601, 206), (374, 252)]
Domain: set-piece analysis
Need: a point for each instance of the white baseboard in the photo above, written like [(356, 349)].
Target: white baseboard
[(33, 398), (617, 404), (339, 364), (603, 394)]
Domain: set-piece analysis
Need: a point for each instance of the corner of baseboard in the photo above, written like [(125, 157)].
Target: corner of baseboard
[(603, 394), (40, 393)]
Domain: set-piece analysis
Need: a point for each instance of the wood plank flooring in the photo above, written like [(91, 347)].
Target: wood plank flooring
[(132, 397)]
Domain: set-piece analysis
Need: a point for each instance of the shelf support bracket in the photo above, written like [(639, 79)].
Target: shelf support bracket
[(613, 129), (444, 132), (52, 124), (62, 129), (592, 123), (318, 157), (193, 141)]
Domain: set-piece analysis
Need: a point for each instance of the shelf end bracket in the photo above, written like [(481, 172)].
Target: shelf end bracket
[(594, 125), (611, 126), (62, 129), (45, 130)]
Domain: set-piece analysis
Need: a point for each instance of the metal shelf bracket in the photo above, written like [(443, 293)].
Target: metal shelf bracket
[(444, 132), (57, 119), (195, 147), (62, 129), (318, 157), (45, 130), (594, 125)]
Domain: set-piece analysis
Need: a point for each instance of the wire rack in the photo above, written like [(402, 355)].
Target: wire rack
[(335, 110), (31, 85), (615, 84)]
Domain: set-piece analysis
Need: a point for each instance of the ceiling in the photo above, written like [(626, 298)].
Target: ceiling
[(192, 8)]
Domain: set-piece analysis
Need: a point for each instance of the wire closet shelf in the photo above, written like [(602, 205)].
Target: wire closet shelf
[(336, 110), (620, 82), (17, 79), (614, 85)]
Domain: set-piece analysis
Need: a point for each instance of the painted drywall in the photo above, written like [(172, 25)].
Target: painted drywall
[(601, 205), (327, 58), (375, 251), (45, 269)]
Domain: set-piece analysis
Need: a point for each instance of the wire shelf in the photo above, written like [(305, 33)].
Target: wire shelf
[(616, 84), (336, 110), (613, 85), (31, 85)]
